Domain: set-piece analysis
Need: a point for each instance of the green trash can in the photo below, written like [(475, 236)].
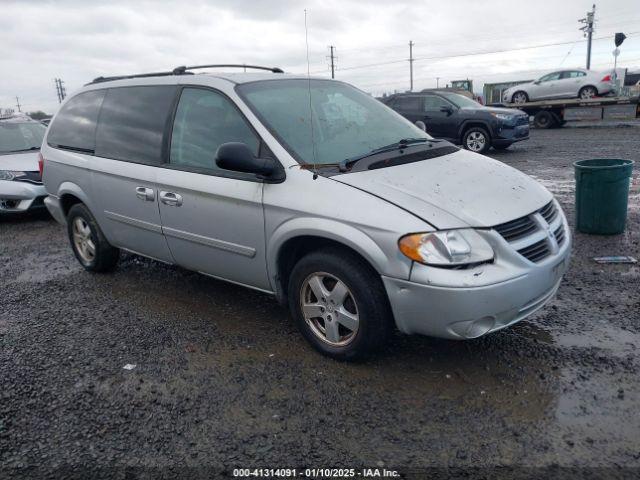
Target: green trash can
[(602, 193)]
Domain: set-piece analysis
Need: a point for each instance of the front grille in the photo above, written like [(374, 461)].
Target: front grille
[(549, 212), (559, 233), (536, 251), (515, 229), (525, 226)]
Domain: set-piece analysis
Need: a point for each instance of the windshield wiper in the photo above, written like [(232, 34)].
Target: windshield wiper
[(402, 143)]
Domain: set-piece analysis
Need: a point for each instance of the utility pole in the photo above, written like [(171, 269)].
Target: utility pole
[(332, 59), (411, 64), (18, 104), (437, 82), (60, 90), (588, 29)]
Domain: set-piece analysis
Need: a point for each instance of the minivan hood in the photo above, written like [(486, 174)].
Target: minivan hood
[(462, 189), (20, 162)]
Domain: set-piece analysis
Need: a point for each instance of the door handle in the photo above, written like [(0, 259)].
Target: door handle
[(144, 193), (170, 198)]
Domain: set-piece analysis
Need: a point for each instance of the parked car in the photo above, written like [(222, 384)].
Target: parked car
[(584, 84), (21, 186), (461, 120), (309, 190)]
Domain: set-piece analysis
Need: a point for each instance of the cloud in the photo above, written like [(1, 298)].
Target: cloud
[(78, 40)]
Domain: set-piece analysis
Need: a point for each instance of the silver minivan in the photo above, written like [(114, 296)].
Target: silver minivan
[(307, 189)]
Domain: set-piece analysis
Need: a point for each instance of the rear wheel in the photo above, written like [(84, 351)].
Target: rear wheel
[(88, 242), (476, 139), (544, 119), (588, 92), (339, 304), (520, 97)]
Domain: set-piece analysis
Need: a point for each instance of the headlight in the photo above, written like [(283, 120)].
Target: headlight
[(503, 116), (446, 248), (10, 175)]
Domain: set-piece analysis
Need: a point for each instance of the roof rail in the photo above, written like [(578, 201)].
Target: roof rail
[(182, 70), (137, 75)]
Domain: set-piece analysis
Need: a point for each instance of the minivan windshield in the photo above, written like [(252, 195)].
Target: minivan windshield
[(323, 121), (20, 137), (460, 100)]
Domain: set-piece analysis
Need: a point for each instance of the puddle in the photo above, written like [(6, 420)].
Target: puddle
[(616, 341)]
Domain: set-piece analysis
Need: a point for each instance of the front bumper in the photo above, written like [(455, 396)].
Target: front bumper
[(18, 197), (506, 135), (463, 304)]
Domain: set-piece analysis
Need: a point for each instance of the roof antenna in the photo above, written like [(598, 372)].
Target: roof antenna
[(313, 142)]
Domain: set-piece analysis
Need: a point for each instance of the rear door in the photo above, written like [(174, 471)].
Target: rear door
[(571, 81), (410, 107), (129, 146), (212, 218)]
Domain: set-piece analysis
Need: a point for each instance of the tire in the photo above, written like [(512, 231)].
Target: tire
[(88, 243), (365, 300), (544, 119), (520, 97), (502, 146), (587, 92), (476, 139)]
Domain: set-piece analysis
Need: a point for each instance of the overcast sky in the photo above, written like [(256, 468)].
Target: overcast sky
[(77, 40)]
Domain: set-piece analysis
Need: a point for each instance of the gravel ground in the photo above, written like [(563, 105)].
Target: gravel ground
[(223, 380)]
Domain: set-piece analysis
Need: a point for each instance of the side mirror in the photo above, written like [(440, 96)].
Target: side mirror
[(447, 109), (238, 157), (537, 82), (420, 124)]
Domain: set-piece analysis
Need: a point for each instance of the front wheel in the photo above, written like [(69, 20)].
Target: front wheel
[(339, 304), (476, 139), (88, 243)]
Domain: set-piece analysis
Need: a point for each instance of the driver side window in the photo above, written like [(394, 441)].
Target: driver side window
[(550, 77), (205, 120)]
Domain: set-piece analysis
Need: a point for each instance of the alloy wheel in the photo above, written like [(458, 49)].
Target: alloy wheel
[(519, 97), (587, 93), (476, 141), (329, 309), (83, 240)]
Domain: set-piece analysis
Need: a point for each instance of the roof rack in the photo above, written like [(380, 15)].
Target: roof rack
[(183, 71)]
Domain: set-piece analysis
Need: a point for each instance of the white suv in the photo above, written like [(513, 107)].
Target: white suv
[(307, 189)]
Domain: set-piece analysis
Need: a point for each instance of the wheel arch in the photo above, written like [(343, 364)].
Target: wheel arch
[(467, 124), (587, 86), (69, 194), (291, 242)]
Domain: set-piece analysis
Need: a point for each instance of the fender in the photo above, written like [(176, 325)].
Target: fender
[(481, 122), (76, 191), (331, 230)]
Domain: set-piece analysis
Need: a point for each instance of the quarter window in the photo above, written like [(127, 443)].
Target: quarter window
[(204, 121), (132, 123), (74, 127)]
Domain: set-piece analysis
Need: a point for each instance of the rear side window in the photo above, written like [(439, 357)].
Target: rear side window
[(74, 128), (409, 103), (132, 123)]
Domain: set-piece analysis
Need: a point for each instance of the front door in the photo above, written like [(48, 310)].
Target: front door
[(440, 117), (212, 218)]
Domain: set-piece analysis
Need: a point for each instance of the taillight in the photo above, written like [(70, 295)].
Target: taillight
[(40, 164), (607, 78)]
